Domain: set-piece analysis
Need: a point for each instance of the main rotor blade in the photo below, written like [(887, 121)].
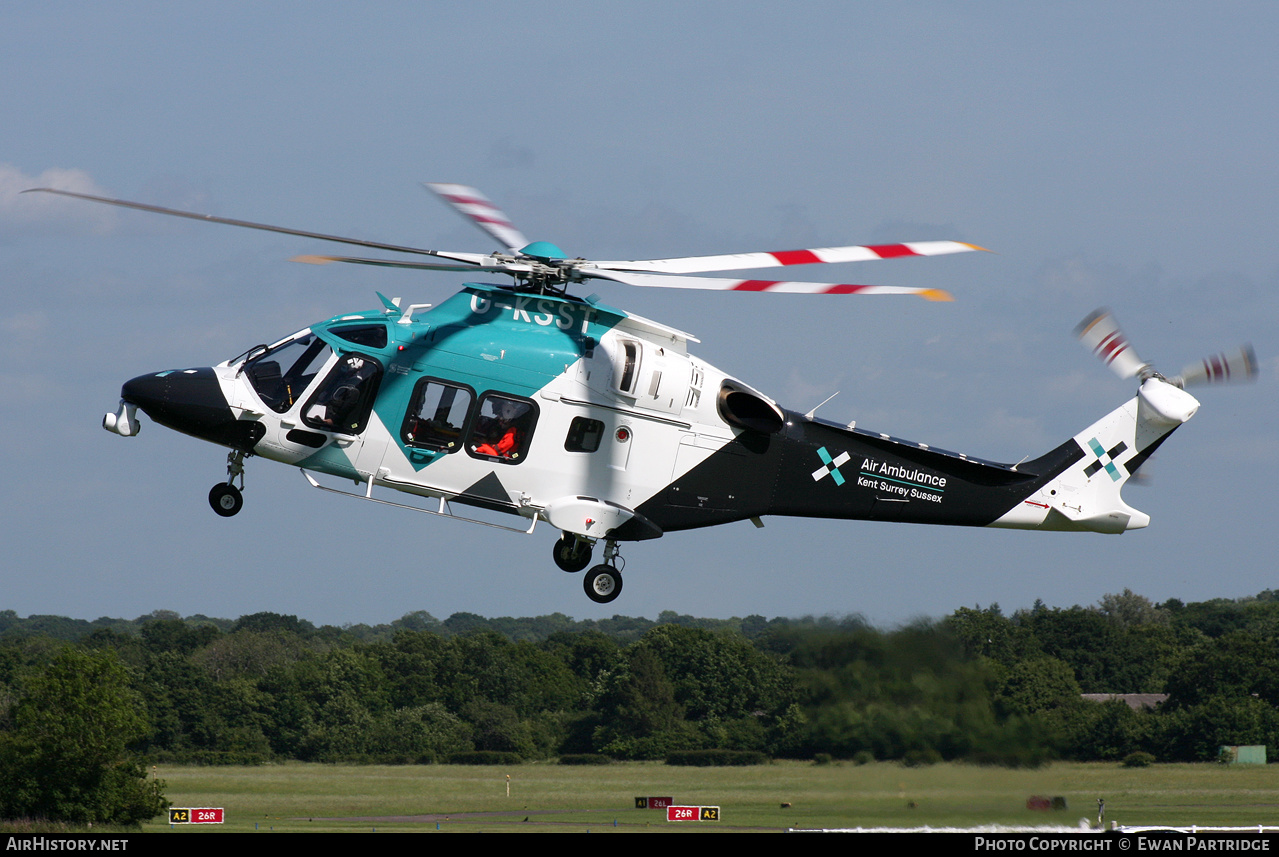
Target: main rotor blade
[(481, 211), (820, 255), (156, 209), (1100, 333), (724, 284), (420, 266)]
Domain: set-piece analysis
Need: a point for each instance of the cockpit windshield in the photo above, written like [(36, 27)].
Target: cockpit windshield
[(281, 374)]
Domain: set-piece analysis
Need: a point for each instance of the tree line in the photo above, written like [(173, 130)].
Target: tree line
[(976, 685)]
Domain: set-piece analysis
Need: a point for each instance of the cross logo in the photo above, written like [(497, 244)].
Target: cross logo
[(1105, 459), (831, 466)]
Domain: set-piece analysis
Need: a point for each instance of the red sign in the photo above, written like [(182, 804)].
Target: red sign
[(692, 813), (201, 815)]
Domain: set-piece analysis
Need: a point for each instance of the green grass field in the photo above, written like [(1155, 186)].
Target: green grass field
[(551, 798)]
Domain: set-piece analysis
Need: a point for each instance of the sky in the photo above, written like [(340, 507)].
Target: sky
[(1117, 154)]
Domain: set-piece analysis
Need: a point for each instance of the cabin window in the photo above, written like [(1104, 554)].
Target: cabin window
[(345, 399), (437, 415), (281, 375), (584, 435), (503, 429)]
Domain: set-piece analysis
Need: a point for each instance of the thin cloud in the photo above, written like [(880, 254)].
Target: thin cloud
[(36, 210)]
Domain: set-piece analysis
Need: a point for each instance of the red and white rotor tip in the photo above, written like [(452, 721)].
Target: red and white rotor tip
[(1100, 333), (481, 211), (1237, 365)]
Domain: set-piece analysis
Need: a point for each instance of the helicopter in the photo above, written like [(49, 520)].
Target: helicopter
[(525, 400)]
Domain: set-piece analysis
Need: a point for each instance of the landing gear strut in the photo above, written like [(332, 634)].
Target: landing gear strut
[(603, 583), (224, 497), (571, 553)]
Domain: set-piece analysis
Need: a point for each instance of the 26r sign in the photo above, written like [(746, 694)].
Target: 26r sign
[(196, 815), (692, 813)]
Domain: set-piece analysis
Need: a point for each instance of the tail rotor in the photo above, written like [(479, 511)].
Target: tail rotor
[(1101, 334)]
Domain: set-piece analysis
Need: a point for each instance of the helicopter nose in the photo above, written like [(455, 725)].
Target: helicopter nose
[(191, 401)]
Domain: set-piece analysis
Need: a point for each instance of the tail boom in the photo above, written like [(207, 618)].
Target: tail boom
[(815, 469)]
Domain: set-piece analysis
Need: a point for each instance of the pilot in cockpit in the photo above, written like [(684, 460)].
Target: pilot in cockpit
[(336, 408)]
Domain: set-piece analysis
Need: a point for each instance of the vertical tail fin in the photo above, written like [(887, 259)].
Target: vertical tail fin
[(1086, 495)]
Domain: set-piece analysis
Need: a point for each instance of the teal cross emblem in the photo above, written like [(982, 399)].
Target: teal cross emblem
[(831, 466), (1105, 459)]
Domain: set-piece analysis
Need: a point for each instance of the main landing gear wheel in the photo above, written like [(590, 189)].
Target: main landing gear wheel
[(603, 583), (226, 499), (572, 554)]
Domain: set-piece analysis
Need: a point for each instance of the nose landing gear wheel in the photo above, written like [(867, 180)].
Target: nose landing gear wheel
[(603, 583), (572, 554), (226, 499)]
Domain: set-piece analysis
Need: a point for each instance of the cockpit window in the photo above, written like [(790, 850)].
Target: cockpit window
[(368, 335), (345, 398), (281, 375)]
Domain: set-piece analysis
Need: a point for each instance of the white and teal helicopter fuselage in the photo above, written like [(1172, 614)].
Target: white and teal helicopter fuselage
[(527, 401), (616, 432)]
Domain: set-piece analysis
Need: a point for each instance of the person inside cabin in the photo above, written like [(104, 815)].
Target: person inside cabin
[(499, 430)]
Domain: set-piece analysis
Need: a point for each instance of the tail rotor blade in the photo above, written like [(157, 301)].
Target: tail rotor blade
[(1100, 333), (1228, 366)]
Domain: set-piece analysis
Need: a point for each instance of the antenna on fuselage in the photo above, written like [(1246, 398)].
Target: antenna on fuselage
[(809, 415)]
